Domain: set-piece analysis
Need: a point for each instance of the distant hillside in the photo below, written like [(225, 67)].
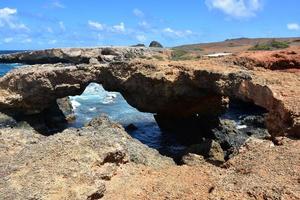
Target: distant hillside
[(234, 45)]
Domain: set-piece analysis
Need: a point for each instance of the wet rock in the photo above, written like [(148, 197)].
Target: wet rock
[(155, 44), (7, 121), (66, 107), (254, 120), (131, 127)]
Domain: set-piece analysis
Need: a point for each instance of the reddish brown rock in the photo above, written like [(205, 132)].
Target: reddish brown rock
[(274, 60)]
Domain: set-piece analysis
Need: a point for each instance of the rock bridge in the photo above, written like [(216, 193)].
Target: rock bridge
[(171, 89)]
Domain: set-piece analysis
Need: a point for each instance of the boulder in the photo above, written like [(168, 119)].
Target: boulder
[(210, 150), (155, 44)]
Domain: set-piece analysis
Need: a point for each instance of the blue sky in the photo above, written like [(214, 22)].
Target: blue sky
[(36, 24)]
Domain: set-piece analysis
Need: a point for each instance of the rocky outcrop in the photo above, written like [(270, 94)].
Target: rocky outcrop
[(155, 44), (74, 164), (76, 55), (273, 60), (168, 88), (260, 171)]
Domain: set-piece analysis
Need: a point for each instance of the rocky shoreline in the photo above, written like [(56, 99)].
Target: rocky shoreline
[(96, 161)]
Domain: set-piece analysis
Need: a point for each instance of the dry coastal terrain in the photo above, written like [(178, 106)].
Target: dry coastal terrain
[(102, 161)]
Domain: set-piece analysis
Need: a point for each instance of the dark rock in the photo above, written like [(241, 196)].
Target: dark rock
[(155, 44), (255, 121), (7, 121), (139, 45), (131, 127)]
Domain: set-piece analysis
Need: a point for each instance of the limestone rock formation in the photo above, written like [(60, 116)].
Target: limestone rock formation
[(168, 88), (74, 164)]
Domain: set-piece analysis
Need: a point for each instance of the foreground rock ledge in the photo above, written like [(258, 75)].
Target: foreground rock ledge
[(74, 164), (165, 87), (102, 161)]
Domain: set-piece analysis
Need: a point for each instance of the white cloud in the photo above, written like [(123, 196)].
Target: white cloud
[(7, 12), (293, 26), (144, 25), (120, 28), (96, 25), (177, 33), (141, 38), (236, 8), (8, 40), (52, 42), (49, 30), (57, 4), (8, 19), (138, 13), (62, 26), (27, 40)]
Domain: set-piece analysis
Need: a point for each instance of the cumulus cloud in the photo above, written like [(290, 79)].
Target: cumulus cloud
[(236, 8), (57, 4), (95, 25), (62, 26), (138, 13), (27, 40), (8, 20), (293, 26), (141, 38), (120, 28), (177, 33), (52, 42), (8, 40)]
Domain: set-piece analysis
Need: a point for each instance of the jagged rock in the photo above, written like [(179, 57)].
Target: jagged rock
[(192, 159), (131, 127), (155, 44), (66, 107), (274, 60), (74, 164), (168, 88), (210, 150), (7, 121), (139, 45)]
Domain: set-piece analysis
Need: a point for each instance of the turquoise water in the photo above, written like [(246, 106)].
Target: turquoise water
[(96, 100)]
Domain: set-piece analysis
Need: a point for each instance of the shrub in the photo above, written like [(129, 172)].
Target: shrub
[(158, 57), (179, 54), (272, 45)]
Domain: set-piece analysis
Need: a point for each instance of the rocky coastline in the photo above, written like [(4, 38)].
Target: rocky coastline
[(41, 158)]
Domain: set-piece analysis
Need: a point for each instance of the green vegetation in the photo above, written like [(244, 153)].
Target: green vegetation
[(272, 45), (158, 57), (179, 54)]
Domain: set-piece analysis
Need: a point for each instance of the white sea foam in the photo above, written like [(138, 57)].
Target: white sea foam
[(75, 104), (241, 127), (92, 109), (110, 98)]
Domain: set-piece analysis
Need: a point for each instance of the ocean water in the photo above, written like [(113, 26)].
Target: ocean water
[(4, 68), (95, 101)]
